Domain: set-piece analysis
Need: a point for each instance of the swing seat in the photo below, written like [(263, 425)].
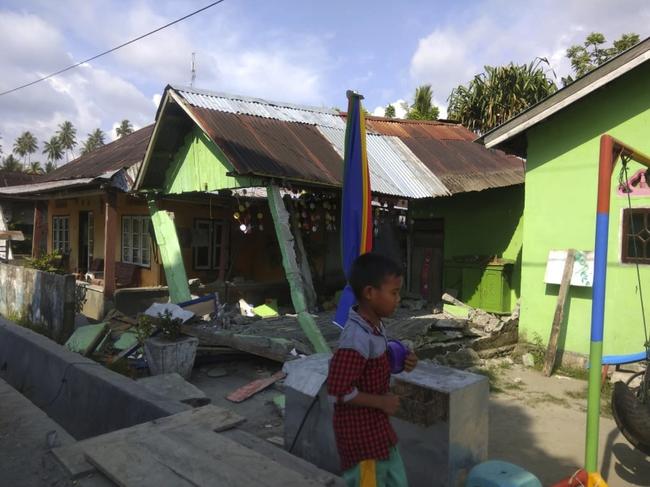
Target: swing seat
[(632, 416)]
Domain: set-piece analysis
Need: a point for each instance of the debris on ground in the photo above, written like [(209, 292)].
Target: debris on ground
[(528, 360), (254, 387)]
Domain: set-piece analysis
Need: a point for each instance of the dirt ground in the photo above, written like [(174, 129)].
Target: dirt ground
[(535, 422)]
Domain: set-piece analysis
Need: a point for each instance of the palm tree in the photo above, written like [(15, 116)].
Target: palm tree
[(95, 139), (35, 168), (423, 107), (125, 128), (12, 164), (49, 167), (498, 94), (53, 149), (67, 134), (25, 145)]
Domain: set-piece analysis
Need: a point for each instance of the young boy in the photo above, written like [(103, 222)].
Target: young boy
[(359, 379)]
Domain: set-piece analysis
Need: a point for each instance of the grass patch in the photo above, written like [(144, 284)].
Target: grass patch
[(550, 398), (493, 378), (23, 321), (605, 398), (573, 372)]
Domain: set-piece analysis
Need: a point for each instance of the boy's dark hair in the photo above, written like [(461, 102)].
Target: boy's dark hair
[(370, 270)]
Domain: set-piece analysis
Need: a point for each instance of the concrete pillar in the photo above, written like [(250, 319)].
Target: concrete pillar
[(111, 230)]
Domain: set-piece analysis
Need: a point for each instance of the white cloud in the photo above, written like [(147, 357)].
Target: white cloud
[(495, 33), (156, 99), (399, 105)]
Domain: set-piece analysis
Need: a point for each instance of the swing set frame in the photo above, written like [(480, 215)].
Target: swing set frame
[(611, 150)]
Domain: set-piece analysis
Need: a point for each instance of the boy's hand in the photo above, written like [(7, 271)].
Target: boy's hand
[(410, 362), (389, 404)]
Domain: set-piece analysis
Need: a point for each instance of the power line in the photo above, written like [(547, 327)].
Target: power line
[(111, 50)]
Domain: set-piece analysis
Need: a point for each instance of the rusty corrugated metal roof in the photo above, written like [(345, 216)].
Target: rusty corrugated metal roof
[(448, 150), (412, 159), (14, 178), (119, 154)]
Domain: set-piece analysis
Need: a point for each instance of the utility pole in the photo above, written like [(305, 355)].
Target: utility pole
[(193, 69)]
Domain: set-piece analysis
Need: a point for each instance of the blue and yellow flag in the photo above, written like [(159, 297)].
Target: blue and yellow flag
[(356, 207)]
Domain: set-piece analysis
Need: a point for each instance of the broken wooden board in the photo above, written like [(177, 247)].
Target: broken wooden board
[(277, 349), (85, 339), (254, 387), (208, 417), (189, 457)]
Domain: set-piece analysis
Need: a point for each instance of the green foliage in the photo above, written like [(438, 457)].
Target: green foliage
[(170, 328), (26, 144), (538, 351), (95, 139), (25, 322), (53, 148), (12, 164), (125, 128), (67, 135), (423, 107), (35, 168), (144, 328), (592, 53), (389, 111), (49, 167), (47, 263), (498, 94)]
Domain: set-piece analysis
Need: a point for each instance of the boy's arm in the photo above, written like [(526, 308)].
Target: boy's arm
[(345, 369)]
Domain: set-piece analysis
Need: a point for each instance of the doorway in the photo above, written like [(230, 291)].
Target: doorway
[(427, 258), (86, 240)]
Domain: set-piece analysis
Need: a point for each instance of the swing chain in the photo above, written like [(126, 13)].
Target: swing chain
[(625, 186)]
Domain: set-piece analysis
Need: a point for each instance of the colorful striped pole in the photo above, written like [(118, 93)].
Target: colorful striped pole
[(610, 150)]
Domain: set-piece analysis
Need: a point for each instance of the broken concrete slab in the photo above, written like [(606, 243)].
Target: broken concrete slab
[(175, 388)]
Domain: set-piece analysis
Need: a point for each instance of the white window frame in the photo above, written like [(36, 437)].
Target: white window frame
[(136, 245), (61, 233)]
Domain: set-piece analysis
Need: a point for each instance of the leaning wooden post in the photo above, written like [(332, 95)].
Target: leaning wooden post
[(558, 317), (170, 253), (286, 241), (110, 241)]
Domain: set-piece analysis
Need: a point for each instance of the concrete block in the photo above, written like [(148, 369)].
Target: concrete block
[(175, 388), (164, 357), (442, 425)]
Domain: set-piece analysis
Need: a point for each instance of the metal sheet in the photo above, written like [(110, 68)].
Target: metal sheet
[(46, 186)]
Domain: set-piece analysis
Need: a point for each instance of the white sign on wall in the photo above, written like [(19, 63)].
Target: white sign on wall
[(583, 268)]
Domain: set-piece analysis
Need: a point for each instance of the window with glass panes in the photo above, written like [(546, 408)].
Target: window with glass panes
[(136, 246), (635, 246), (206, 242), (60, 233)]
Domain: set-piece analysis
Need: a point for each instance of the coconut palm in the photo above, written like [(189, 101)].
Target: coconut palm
[(423, 107), (67, 135), (125, 128), (498, 94), (49, 167), (95, 139), (12, 164), (35, 168), (53, 149)]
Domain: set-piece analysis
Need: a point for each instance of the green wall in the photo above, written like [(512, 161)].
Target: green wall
[(199, 165), (481, 223), (560, 213)]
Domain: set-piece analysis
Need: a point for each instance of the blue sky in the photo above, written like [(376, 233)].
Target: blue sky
[(298, 51)]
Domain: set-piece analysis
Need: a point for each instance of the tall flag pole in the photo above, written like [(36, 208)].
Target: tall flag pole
[(356, 207)]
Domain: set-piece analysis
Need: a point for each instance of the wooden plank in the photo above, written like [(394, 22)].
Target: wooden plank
[(170, 253), (254, 387), (558, 317), (197, 457), (283, 457), (209, 417), (292, 271), (276, 349), (85, 339)]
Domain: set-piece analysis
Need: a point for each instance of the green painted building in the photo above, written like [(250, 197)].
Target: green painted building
[(559, 137)]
